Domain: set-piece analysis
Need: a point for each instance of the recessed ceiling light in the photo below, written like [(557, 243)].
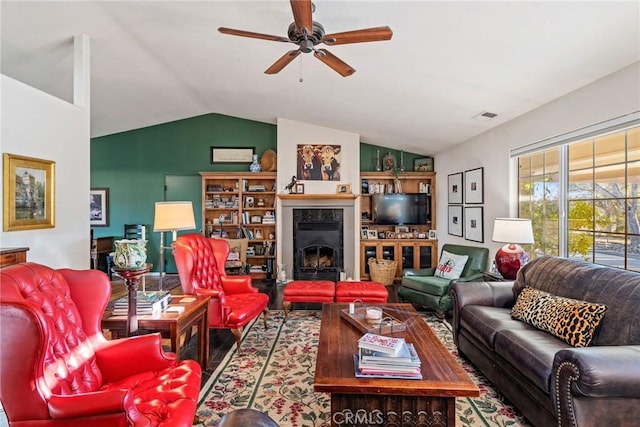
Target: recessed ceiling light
[(484, 116)]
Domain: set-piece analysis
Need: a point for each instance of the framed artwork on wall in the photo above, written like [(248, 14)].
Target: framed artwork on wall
[(99, 207), (232, 154), (454, 188), (473, 224), (474, 186), (29, 193), (455, 220), (317, 162)]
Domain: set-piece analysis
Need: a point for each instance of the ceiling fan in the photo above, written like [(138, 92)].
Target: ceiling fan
[(307, 34)]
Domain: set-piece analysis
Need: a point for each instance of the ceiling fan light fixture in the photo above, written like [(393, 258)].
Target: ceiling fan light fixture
[(307, 34)]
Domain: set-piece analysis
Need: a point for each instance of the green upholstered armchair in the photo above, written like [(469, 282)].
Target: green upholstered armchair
[(423, 289)]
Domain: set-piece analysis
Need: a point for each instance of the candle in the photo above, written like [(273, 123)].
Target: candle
[(144, 232)]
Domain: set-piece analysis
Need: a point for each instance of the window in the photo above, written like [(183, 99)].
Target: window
[(596, 181)]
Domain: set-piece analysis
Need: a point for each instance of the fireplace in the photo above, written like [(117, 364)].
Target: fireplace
[(337, 214), (317, 244)]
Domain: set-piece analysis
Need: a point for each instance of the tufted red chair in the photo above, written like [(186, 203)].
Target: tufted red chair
[(234, 301), (57, 369)]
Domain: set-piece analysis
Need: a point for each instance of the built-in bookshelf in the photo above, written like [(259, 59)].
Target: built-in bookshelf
[(242, 205), (410, 246)]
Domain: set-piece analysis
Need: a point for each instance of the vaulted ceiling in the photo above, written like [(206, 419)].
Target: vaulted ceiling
[(155, 62)]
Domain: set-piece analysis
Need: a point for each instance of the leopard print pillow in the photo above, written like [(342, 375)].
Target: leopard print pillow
[(571, 320)]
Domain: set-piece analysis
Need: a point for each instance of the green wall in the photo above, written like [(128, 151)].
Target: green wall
[(369, 155), (133, 165)]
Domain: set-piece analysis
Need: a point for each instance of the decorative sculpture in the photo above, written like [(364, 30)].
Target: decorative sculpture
[(291, 184)]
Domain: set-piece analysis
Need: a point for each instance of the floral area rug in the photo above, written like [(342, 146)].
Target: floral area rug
[(275, 370)]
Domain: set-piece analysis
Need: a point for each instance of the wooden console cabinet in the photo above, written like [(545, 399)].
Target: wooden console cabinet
[(246, 204), (410, 246), (10, 256)]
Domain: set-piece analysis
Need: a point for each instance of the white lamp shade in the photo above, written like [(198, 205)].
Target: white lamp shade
[(513, 230), (170, 216)]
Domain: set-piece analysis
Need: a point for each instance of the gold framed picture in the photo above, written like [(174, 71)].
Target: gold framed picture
[(343, 188), (29, 198)]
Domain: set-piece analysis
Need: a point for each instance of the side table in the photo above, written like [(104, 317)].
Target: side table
[(132, 277), (171, 325)]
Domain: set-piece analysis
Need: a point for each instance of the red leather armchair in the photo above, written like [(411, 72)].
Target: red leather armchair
[(234, 301), (56, 367)]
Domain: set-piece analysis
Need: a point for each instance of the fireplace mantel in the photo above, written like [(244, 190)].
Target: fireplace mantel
[(338, 196)]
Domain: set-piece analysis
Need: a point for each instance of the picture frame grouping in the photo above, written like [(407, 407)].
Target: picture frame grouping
[(463, 189)]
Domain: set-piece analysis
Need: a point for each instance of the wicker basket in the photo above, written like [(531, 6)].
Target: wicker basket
[(382, 270)]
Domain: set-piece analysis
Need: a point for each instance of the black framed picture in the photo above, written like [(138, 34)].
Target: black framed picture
[(99, 207), (474, 186), (454, 188), (455, 220), (232, 154), (474, 223)]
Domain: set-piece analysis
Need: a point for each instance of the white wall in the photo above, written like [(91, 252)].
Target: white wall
[(39, 125), (612, 96), (292, 133)]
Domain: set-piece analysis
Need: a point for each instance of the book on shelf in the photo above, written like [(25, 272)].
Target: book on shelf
[(381, 343), (405, 358)]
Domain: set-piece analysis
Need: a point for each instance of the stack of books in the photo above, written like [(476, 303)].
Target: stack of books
[(147, 303), (380, 356), (268, 218)]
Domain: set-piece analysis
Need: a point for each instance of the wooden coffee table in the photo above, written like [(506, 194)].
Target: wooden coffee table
[(170, 325), (367, 401)]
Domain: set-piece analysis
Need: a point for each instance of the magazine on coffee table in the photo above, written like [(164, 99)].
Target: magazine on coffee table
[(411, 373)]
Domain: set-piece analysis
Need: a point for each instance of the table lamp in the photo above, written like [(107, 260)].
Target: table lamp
[(171, 216), (514, 232)]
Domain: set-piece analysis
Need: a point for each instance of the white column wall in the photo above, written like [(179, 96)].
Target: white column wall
[(39, 125)]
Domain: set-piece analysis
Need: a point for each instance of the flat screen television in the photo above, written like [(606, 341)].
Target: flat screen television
[(401, 209)]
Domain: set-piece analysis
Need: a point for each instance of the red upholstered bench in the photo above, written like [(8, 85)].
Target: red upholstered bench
[(320, 291), (364, 291)]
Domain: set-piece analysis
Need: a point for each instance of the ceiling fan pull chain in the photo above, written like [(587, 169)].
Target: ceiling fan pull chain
[(301, 79)]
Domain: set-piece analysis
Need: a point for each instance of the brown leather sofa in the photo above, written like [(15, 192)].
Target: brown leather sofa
[(548, 380)]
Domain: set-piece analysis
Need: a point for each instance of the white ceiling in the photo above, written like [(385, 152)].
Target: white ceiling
[(155, 62)]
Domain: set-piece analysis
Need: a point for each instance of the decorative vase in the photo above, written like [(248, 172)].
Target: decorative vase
[(130, 253), (282, 273), (255, 165)]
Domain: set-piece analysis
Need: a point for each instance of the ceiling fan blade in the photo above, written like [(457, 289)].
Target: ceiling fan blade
[(282, 62), (358, 36), (334, 62), (252, 35), (302, 11)]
